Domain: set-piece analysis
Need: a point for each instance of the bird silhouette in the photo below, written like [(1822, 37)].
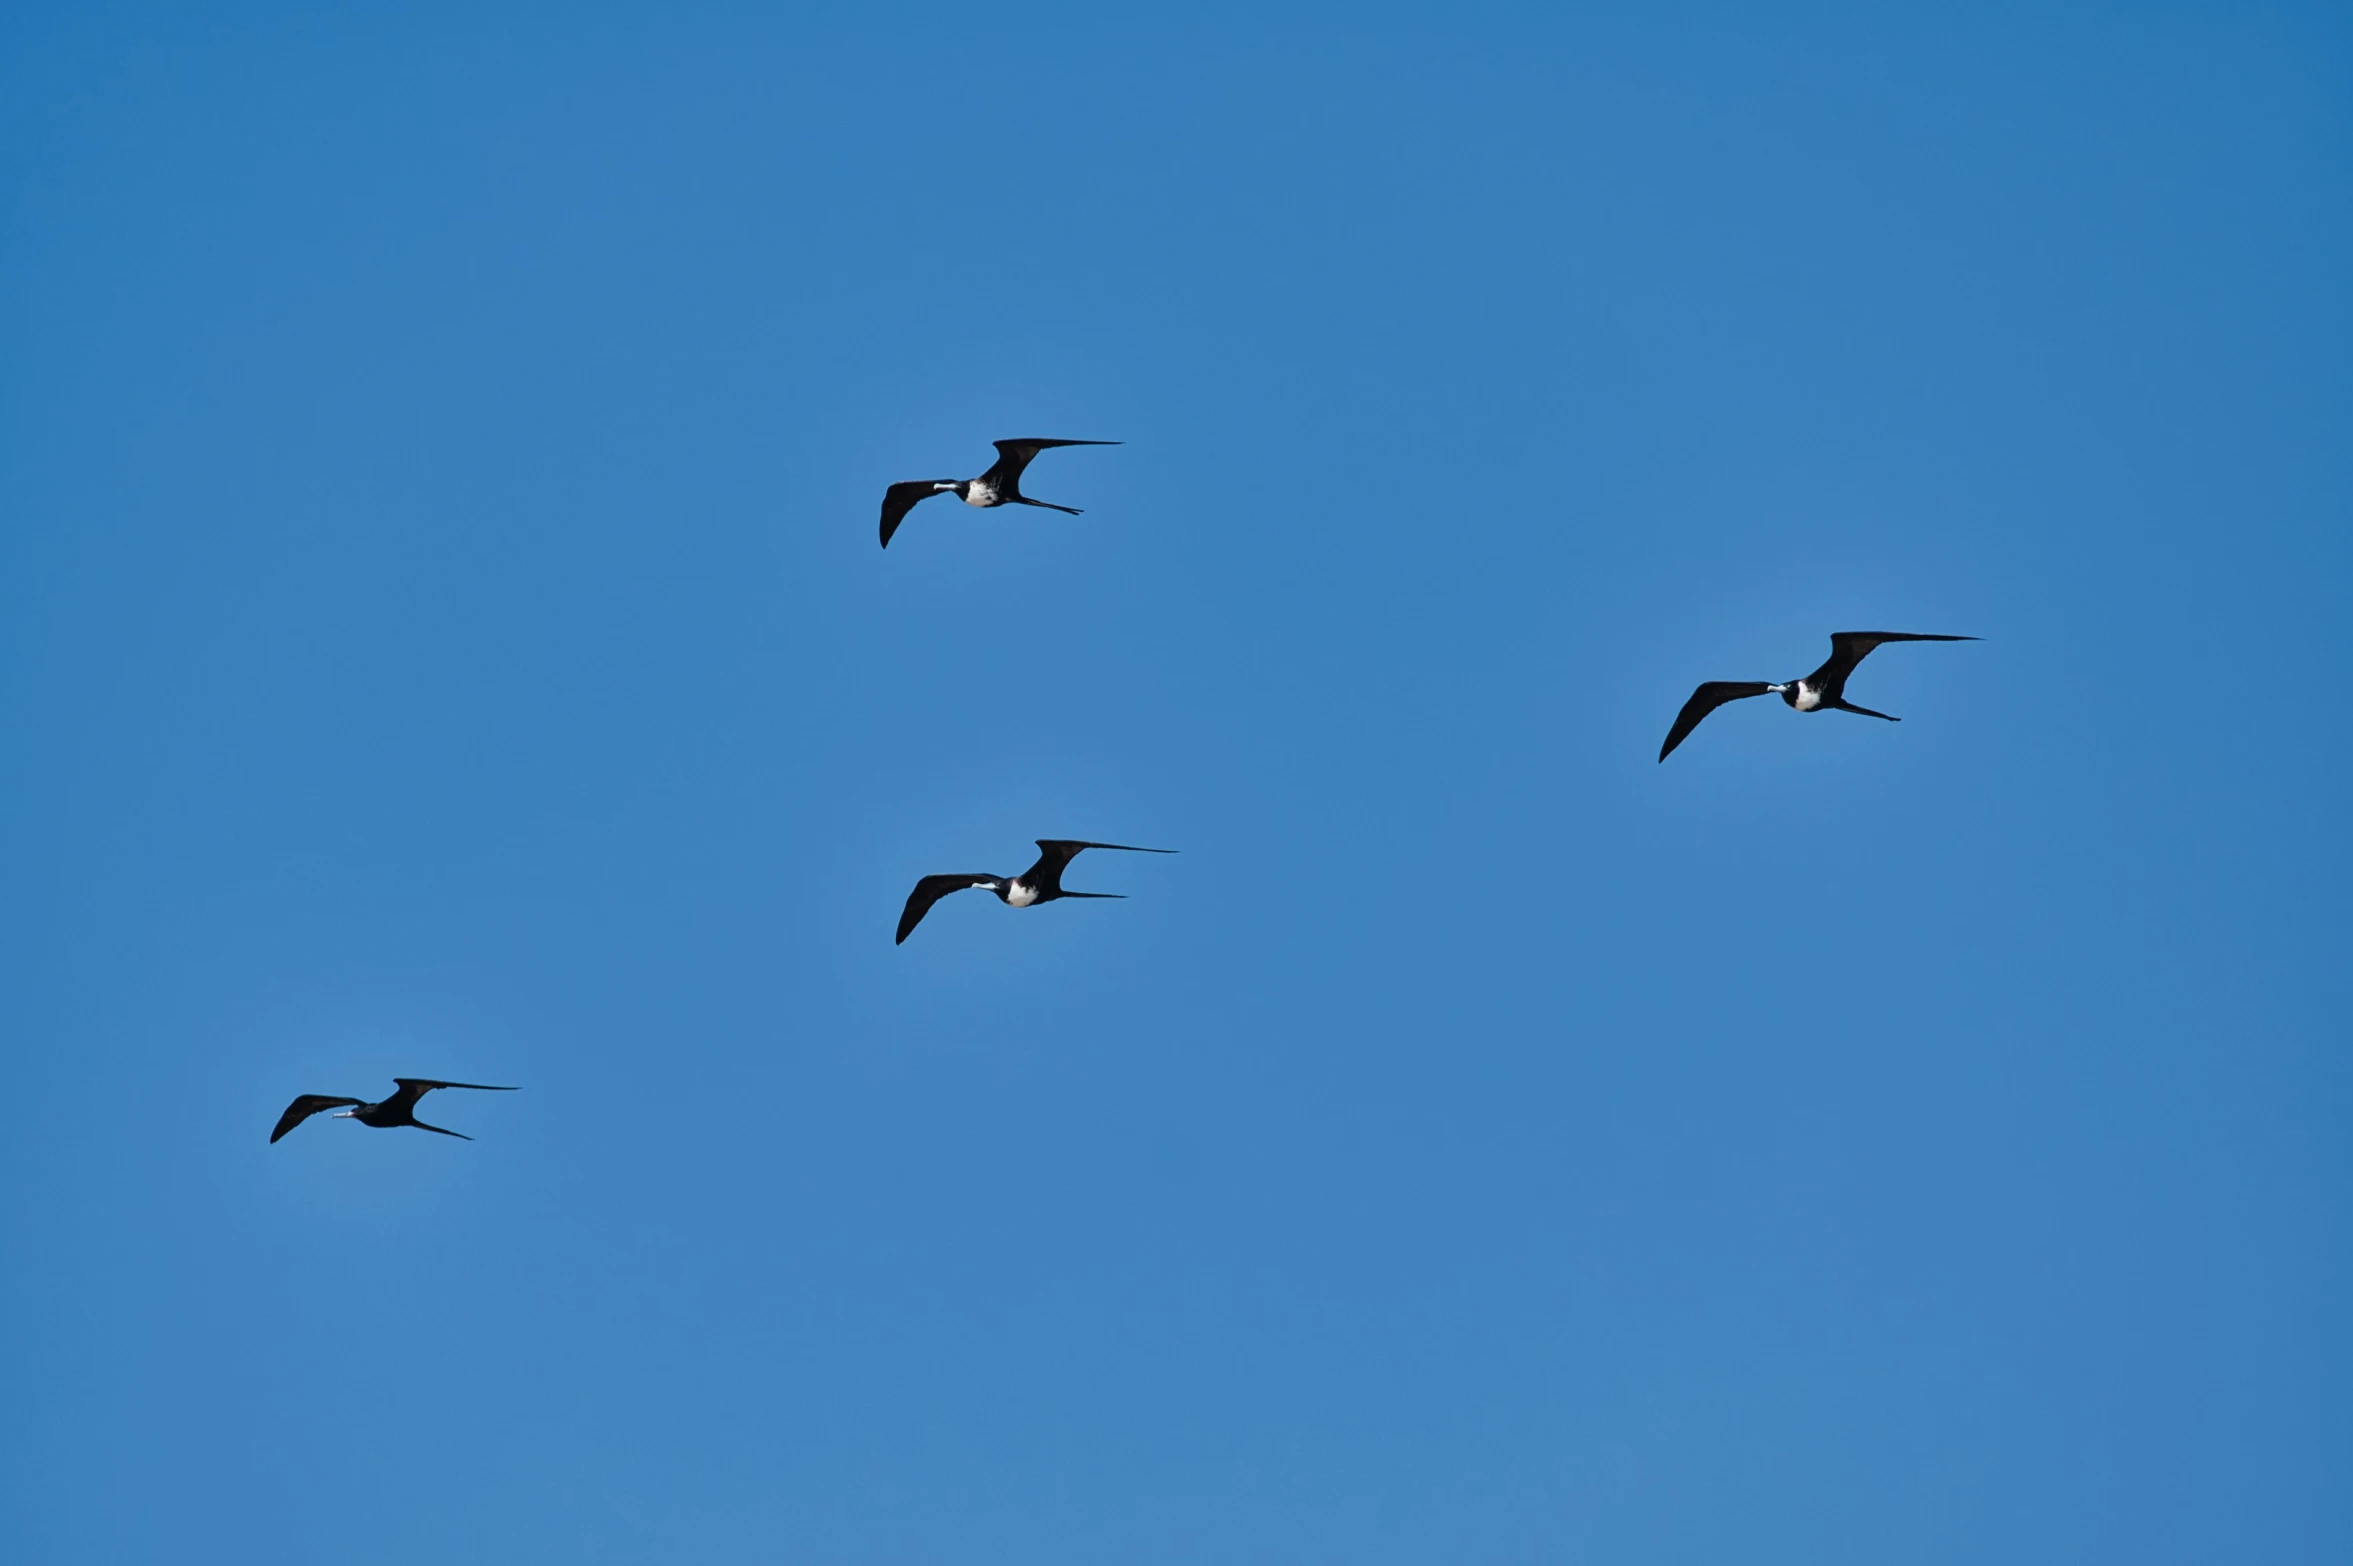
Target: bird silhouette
[(999, 486), (1824, 688), (1040, 883), (398, 1110)]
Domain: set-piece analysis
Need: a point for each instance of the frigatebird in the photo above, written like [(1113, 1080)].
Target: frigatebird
[(999, 486), (1824, 688), (1040, 883), (398, 1110)]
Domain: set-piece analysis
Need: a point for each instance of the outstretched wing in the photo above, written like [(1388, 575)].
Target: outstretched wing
[(1704, 701), (1014, 455), (1062, 850), (1056, 852), (414, 1088), (930, 890), (305, 1107), (900, 499), (1848, 648)]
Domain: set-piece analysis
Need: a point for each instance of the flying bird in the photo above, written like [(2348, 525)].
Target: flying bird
[(398, 1110), (999, 486), (1824, 688), (1040, 883)]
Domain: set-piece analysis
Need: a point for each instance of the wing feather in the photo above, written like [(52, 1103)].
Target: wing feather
[(1014, 455), (1056, 853), (1064, 849), (1704, 701), (1848, 648), (306, 1106), (930, 890), (900, 499)]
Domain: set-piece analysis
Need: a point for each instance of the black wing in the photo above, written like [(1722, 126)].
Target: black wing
[(1014, 455), (930, 890), (1056, 852), (900, 499), (305, 1107), (1848, 648), (1704, 701), (414, 1088)]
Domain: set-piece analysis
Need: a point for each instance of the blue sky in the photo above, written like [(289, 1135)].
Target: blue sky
[(441, 634)]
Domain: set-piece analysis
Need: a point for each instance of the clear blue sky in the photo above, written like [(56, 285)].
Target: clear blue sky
[(441, 633)]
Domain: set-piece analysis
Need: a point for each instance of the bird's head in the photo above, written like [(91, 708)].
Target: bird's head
[(1787, 693)]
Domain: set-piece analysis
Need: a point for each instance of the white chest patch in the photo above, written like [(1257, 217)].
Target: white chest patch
[(1020, 896), (980, 494), (1808, 698)]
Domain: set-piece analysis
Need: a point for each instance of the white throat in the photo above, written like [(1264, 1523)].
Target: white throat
[(1020, 894), (978, 494)]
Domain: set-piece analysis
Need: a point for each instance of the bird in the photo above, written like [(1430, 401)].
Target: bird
[(398, 1110), (1040, 883), (1825, 687), (999, 486)]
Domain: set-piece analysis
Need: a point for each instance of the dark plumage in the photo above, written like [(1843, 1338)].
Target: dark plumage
[(1040, 883), (398, 1110), (999, 486), (1824, 688)]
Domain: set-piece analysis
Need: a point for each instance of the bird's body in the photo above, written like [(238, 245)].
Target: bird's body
[(999, 486), (1040, 883), (1824, 689), (398, 1110)]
